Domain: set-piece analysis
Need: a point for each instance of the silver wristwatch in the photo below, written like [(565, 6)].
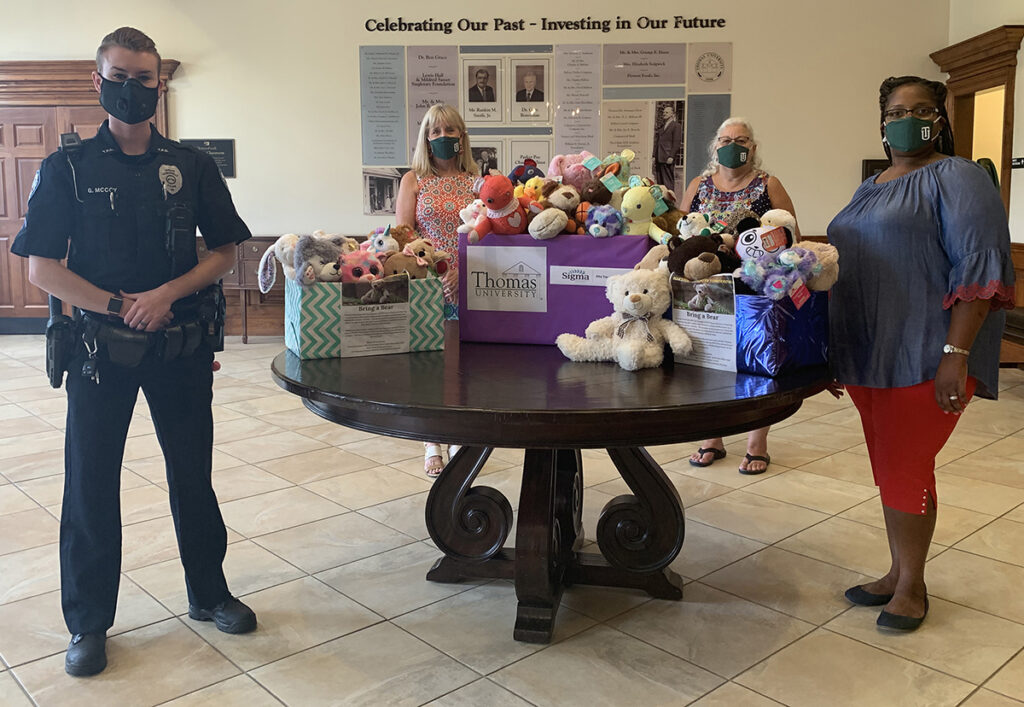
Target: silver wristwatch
[(949, 348)]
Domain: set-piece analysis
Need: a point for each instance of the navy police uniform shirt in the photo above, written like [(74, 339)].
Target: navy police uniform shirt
[(108, 212)]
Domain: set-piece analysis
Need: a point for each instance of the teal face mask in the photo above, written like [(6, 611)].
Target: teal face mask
[(444, 148), (733, 155), (909, 134)]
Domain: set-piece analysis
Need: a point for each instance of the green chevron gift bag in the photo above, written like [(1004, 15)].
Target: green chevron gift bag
[(338, 320)]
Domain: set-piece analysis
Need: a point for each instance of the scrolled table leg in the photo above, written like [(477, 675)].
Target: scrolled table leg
[(469, 524), (643, 532)]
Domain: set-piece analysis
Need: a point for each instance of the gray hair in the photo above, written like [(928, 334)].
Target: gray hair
[(713, 165)]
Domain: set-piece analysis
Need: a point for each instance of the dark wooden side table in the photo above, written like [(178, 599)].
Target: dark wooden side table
[(493, 395)]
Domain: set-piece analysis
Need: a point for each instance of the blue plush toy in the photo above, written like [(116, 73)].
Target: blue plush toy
[(604, 220), (527, 170)]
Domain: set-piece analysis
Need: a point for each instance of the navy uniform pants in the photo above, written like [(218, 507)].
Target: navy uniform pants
[(180, 394)]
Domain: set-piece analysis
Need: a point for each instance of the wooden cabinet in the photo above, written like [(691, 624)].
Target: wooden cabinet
[(250, 311)]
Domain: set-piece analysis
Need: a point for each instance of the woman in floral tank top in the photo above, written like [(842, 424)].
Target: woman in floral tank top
[(430, 197), (732, 180)]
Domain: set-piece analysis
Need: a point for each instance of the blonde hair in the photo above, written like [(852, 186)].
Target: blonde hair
[(422, 163), (713, 165)]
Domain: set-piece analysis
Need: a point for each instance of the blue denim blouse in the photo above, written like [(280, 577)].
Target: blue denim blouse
[(908, 249)]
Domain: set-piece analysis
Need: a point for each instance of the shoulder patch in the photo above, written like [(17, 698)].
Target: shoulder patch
[(35, 185)]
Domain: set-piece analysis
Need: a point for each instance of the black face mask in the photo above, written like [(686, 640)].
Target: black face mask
[(130, 102)]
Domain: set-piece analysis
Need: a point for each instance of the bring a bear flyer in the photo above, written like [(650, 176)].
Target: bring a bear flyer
[(706, 309)]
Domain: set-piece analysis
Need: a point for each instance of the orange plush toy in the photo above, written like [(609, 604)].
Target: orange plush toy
[(505, 213)]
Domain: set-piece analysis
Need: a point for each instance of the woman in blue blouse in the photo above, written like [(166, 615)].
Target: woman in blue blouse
[(916, 320)]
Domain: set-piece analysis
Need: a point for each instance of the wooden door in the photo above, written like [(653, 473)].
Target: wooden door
[(27, 135), (84, 120)]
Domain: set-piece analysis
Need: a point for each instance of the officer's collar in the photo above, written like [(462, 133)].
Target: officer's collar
[(157, 142)]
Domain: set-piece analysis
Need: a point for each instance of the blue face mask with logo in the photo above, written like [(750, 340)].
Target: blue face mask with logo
[(909, 134), (444, 148)]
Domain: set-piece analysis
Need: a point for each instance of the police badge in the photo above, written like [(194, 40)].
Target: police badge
[(170, 177)]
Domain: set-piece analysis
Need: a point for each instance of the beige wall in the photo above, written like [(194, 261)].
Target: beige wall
[(969, 18), (282, 80), (988, 126)]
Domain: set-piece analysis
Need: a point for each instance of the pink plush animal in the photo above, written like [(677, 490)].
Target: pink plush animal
[(570, 168), (505, 213), (360, 266)]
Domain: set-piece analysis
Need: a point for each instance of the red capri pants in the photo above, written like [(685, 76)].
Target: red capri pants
[(905, 429)]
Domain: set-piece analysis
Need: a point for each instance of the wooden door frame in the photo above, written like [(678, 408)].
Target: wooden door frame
[(66, 83), (988, 60)]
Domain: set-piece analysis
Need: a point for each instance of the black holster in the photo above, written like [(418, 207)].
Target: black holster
[(62, 336)]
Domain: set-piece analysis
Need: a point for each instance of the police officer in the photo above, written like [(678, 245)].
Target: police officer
[(123, 209)]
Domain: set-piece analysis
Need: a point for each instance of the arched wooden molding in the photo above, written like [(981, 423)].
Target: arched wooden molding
[(986, 61), (66, 83)]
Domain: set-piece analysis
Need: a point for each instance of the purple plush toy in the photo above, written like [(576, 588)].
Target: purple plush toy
[(604, 220), (775, 274)]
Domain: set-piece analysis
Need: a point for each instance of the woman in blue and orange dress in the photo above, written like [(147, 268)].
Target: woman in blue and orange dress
[(733, 180), (430, 197), (916, 321)]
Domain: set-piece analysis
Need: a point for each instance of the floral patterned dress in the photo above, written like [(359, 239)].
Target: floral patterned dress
[(438, 205), (709, 199)]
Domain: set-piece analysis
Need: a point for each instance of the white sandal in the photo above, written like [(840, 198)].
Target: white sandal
[(430, 451), (452, 450)]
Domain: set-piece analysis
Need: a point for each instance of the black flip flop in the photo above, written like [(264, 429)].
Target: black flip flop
[(715, 452), (756, 458)]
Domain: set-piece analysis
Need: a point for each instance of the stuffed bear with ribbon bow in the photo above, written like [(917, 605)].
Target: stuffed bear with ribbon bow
[(634, 336)]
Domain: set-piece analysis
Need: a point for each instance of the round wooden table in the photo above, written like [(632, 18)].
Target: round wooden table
[(531, 397)]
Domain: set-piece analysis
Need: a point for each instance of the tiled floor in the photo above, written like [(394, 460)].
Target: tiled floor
[(328, 545)]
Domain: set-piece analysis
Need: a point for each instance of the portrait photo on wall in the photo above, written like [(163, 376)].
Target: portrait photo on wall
[(488, 156), (529, 88), (667, 155), (380, 189), (482, 85)]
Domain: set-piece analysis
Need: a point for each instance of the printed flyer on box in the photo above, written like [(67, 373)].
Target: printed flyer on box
[(707, 310), (374, 317)]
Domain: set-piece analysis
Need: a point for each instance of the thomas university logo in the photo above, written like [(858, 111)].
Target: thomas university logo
[(519, 281)]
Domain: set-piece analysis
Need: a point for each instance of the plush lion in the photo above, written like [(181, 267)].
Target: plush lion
[(635, 335)]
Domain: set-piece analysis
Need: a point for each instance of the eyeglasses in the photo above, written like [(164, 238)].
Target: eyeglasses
[(741, 141), (922, 112)]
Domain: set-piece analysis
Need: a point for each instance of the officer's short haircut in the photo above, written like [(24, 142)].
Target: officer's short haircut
[(127, 38)]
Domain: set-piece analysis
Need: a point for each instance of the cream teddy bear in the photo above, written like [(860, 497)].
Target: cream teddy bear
[(635, 335)]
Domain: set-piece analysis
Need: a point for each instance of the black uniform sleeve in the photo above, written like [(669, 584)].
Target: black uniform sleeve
[(216, 217), (49, 221)]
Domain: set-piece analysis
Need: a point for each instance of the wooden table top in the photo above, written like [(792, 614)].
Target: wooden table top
[(506, 395)]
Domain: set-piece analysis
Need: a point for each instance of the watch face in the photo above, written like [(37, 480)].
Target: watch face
[(114, 305)]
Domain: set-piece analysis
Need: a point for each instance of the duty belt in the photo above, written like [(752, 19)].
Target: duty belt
[(128, 347)]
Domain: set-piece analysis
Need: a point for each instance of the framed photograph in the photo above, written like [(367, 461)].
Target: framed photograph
[(872, 168), (482, 89), (520, 150), (530, 90), (489, 155), (668, 144), (380, 189)]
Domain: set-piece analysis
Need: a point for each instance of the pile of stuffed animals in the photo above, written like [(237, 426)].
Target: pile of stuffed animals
[(580, 194), (323, 257)]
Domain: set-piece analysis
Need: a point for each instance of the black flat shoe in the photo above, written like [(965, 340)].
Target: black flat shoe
[(87, 654), (861, 597), (230, 616), (896, 622)]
